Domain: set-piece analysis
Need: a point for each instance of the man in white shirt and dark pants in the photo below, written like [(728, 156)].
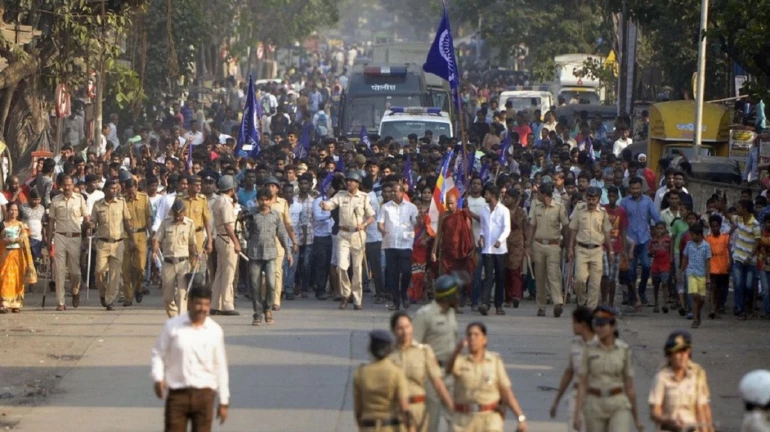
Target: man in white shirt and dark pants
[(495, 224), (396, 222), (189, 362)]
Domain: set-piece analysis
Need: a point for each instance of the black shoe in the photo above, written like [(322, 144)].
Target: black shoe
[(541, 312), (145, 291), (406, 304), (104, 303), (229, 313), (483, 310), (110, 307), (557, 311), (138, 296), (322, 296), (515, 303), (213, 312)]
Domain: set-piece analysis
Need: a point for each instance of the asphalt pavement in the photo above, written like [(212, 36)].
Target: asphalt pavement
[(295, 375)]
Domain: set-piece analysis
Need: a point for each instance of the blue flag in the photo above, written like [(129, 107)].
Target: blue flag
[(484, 174), (325, 183), (441, 58), (340, 165), (365, 137), (504, 149), (248, 135), (302, 149), (407, 174)]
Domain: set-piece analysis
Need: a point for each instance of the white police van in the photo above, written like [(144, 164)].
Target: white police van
[(400, 122)]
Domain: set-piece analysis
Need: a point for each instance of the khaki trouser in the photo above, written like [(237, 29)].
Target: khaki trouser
[(223, 295), (109, 257), (486, 421), (134, 263), (278, 273), (588, 266), (607, 414), (350, 252), (433, 406), (547, 269), (175, 287), (67, 255)]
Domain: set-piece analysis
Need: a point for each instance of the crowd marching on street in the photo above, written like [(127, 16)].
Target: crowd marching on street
[(539, 211)]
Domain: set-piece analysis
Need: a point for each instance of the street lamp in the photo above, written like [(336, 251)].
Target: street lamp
[(701, 78)]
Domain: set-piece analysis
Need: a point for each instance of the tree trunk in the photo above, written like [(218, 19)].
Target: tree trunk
[(27, 120)]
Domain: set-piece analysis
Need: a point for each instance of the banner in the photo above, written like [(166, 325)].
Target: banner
[(740, 145)]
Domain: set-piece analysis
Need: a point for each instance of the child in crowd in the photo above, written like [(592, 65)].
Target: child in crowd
[(624, 275), (659, 250), (696, 263), (720, 265)]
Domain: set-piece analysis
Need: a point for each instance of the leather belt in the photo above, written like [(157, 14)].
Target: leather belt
[(106, 240), (588, 246), (547, 242), (173, 260), (199, 229), (73, 235), (473, 408), (142, 229), (376, 423), (350, 230), (605, 393), (417, 399)]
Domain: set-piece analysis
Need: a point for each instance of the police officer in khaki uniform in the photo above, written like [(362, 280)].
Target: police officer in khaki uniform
[(380, 390), (197, 209), (589, 229), (679, 396), (356, 213), (65, 214), (435, 325), (547, 223), (282, 207), (112, 221), (135, 254), (421, 368), (481, 383), (176, 240), (228, 247), (606, 399)]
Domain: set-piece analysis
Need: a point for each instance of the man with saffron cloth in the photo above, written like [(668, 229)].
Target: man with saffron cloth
[(454, 243)]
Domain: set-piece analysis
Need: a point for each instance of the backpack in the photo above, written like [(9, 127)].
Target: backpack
[(322, 128)]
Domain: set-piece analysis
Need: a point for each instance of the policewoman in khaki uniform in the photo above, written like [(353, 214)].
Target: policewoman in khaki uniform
[(435, 325), (582, 328), (282, 207), (135, 253), (547, 222), (679, 397), (176, 241), (64, 238), (197, 209), (112, 222), (606, 399), (356, 213), (482, 389), (380, 390), (421, 368), (228, 247), (589, 229)]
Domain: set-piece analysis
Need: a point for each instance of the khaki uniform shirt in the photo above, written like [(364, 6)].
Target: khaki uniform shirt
[(419, 363), (177, 239), (223, 211), (378, 389), (109, 217), (68, 213), (140, 210), (479, 383), (210, 202), (282, 207), (437, 330), (576, 350), (354, 209), (198, 210), (591, 226), (680, 399), (606, 369), (549, 220)]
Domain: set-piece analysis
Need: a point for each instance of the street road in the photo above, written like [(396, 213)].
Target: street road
[(87, 370)]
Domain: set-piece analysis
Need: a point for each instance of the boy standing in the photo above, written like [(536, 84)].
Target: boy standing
[(660, 252), (720, 265), (697, 262)]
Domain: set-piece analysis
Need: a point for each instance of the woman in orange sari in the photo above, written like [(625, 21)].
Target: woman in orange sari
[(15, 259)]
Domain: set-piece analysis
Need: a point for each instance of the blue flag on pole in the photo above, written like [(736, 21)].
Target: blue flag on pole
[(302, 148), (441, 58), (484, 174), (340, 165), (325, 183), (407, 174), (365, 137), (248, 135), (504, 149)]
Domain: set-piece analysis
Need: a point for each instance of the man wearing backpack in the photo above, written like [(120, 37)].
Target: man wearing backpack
[(321, 122)]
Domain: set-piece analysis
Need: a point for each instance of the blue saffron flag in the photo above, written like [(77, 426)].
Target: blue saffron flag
[(407, 174), (302, 149), (248, 135), (365, 137), (441, 59)]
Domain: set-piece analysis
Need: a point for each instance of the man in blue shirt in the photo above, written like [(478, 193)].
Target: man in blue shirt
[(247, 195), (641, 210)]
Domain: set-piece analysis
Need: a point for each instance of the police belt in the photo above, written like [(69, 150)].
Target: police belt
[(473, 408), (175, 260), (417, 399), (379, 423), (606, 392), (138, 230), (588, 245), (73, 235), (199, 229), (350, 230), (106, 240)]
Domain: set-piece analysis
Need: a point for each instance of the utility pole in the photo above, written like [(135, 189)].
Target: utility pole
[(623, 88), (701, 80)]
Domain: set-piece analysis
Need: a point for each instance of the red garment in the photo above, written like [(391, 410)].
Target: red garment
[(22, 196), (619, 222), (660, 249), (514, 285), (456, 251), (523, 131), (649, 175), (683, 244)]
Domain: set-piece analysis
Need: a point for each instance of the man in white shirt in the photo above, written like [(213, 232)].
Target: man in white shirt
[(194, 136), (396, 222), (622, 142), (476, 204), (189, 366), (495, 225), (176, 185)]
